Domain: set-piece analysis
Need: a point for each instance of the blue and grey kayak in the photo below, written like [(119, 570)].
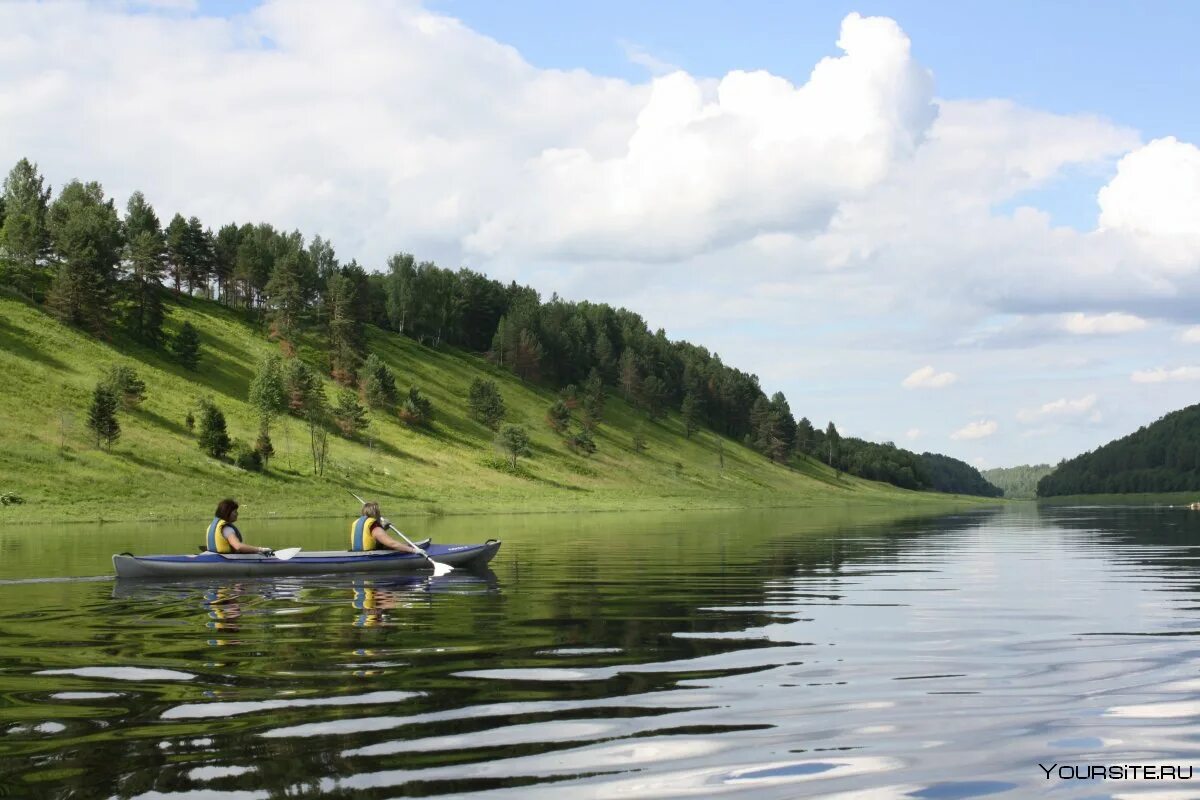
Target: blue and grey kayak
[(317, 562)]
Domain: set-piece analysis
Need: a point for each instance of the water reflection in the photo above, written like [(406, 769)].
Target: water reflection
[(771, 654)]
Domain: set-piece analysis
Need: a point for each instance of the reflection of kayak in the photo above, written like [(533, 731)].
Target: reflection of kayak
[(205, 565), (466, 580)]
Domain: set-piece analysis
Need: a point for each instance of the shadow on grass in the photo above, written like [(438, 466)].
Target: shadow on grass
[(505, 466), (395, 452), (177, 428), (13, 340)]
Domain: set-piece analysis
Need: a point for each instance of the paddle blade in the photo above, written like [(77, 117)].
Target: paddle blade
[(285, 554), (440, 569)]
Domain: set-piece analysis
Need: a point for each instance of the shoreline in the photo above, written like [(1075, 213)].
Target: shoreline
[(916, 499)]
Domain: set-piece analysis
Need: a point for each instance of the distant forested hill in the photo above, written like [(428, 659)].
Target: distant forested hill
[(1162, 457), (957, 477), (1018, 483)]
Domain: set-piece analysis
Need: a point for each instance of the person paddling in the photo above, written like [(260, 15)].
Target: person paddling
[(369, 532), (223, 537)]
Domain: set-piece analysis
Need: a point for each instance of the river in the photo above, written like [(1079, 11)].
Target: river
[(853, 653)]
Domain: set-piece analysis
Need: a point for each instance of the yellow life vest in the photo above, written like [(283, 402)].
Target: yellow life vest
[(360, 534), (215, 541)]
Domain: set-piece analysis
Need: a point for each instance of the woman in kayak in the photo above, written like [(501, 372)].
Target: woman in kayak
[(223, 537), (369, 531)]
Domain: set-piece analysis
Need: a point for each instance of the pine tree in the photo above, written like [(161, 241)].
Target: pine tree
[(345, 329), (485, 402), (144, 312), (214, 438), (285, 300), (378, 384), (24, 235), (102, 415), (350, 417), (558, 416), (179, 256), (186, 346), (86, 235), (126, 386), (417, 410)]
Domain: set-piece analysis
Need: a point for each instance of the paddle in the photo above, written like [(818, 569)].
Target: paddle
[(439, 568), (286, 553)]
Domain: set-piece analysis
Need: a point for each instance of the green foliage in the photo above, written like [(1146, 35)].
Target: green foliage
[(345, 327), (268, 395), (123, 380), (348, 414), (102, 415), (300, 384), (285, 299), (264, 447), (1161, 457), (214, 438), (581, 442), (417, 409), (485, 402), (513, 441), (653, 396), (1018, 483), (24, 236), (11, 499), (558, 416), (957, 477), (143, 310), (691, 413), (86, 236), (379, 384), (186, 346), (247, 458), (190, 421), (593, 398)]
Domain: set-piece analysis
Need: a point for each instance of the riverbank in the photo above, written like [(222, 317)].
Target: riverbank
[(156, 471)]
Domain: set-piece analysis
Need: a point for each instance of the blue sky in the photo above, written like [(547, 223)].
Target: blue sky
[(975, 229)]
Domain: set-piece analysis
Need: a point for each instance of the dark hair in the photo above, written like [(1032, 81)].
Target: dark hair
[(225, 508)]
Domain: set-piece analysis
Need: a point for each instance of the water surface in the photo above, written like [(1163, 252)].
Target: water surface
[(853, 653)]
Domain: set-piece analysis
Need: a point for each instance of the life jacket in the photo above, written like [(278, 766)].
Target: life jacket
[(360, 534), (215, 541)]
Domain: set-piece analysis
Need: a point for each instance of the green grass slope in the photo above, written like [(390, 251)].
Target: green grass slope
[(157, 471)]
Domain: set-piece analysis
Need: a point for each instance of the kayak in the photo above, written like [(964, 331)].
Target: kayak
[(317, 562)]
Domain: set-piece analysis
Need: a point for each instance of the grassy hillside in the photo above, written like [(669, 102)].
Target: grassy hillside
[(156, 470)]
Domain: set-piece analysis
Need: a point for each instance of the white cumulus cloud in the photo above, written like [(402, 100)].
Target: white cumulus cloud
[(1062, 408), (1155, 199), (979, 429), (928, 378), (1112, 322), (1164, 375), (912, 433), (1191, 335)]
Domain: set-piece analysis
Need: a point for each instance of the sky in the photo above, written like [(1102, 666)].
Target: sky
[(969, 228)]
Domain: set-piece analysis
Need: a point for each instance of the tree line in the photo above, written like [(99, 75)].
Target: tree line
[(110, 273), (1161, 457)]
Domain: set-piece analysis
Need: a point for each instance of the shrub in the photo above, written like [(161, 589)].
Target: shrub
[(513, 441), (102, 415), (582, 442), (214, 438), (485, 402), (247, 458), (558, 416), (417, 410), (186, 346), (124, 382)]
